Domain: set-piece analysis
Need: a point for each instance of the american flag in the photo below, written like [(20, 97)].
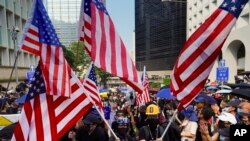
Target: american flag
[(40, 38), (200, 51), (91, 87), (144, 97), (47, 117), (105, 46)]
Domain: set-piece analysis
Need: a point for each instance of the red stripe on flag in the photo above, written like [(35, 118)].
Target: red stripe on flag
[(38, 119), (103, 42), (124, 60), (113, 47), (31, 50)]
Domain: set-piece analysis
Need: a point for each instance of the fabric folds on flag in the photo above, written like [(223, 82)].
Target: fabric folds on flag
[(200, 51), (105, 46), (39, 37), (91, 87), (47, 117), (144, 97)]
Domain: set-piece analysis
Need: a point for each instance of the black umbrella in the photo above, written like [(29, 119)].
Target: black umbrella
[(239, 85), (243, 93), (244, 73)]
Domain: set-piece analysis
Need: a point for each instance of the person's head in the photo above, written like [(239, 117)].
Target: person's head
[(231, 106), (206, 113), (114, 106), (119, 114), (189, 114), (91, 121), (200, 102), (243, 111), (223, 103), (152, 112)]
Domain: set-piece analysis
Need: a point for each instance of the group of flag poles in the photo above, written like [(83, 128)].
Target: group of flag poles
[(108, 52)]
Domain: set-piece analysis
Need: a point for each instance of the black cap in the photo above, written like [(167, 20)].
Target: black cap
[(233, 103), (91, 118)]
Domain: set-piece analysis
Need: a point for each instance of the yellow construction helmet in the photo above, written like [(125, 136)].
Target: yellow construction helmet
[(152, 109)]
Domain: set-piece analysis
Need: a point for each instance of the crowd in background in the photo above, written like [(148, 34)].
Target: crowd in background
[(207, 118)]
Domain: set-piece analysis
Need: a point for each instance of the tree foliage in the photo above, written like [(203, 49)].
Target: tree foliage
[(80, 57), (103, 76)]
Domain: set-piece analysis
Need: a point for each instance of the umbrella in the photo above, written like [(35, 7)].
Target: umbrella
[(165, 93), (225, 87), (209, 99), (244, 73), (240, 85), (224, 91), (22, 99), (243, 93), (211, 88)]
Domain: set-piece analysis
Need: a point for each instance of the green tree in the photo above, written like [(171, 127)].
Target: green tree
[(154, 85), (166, 80), (103, 76), (81, 57), (68, 54)]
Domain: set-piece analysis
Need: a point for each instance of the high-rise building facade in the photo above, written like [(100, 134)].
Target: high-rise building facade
[(64, 15), (160, 31), (237, 44), (13, 13)]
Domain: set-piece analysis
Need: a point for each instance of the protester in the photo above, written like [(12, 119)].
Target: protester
[(121, 126), (189, 125), (152, 131), (91, 130)]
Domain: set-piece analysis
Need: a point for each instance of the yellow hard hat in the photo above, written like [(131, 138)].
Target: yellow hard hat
[(152, 109)]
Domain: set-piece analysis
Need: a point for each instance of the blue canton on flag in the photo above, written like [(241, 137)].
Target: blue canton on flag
[(92, 75), (41, 20), (234, 6), (37, 85)]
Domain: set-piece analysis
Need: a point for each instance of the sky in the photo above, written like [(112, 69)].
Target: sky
[(122, 14)]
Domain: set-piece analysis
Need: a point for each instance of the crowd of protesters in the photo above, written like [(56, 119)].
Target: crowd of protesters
[(207, 118)]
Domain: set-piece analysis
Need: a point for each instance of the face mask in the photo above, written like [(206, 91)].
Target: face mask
[(222, 138), (153, 123), (239, 110), (86, 127), (226, 109)]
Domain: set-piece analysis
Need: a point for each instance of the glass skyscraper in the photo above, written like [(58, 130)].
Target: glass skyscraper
[(160, 32), (65, 16)]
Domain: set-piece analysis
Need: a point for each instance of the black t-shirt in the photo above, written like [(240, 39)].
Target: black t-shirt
[(97, 135), (145, 133)]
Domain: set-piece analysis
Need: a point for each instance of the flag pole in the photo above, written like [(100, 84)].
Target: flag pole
[(90, 99), (169, 123), (105, 121), (77, 52), (12, 70)]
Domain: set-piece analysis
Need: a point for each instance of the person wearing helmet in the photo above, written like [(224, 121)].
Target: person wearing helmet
[(152, 131)]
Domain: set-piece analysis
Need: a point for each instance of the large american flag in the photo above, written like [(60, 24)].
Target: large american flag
[(39, 37), (144, 97), (46, 117), (104, 44), (91, 87), (200, 51)]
